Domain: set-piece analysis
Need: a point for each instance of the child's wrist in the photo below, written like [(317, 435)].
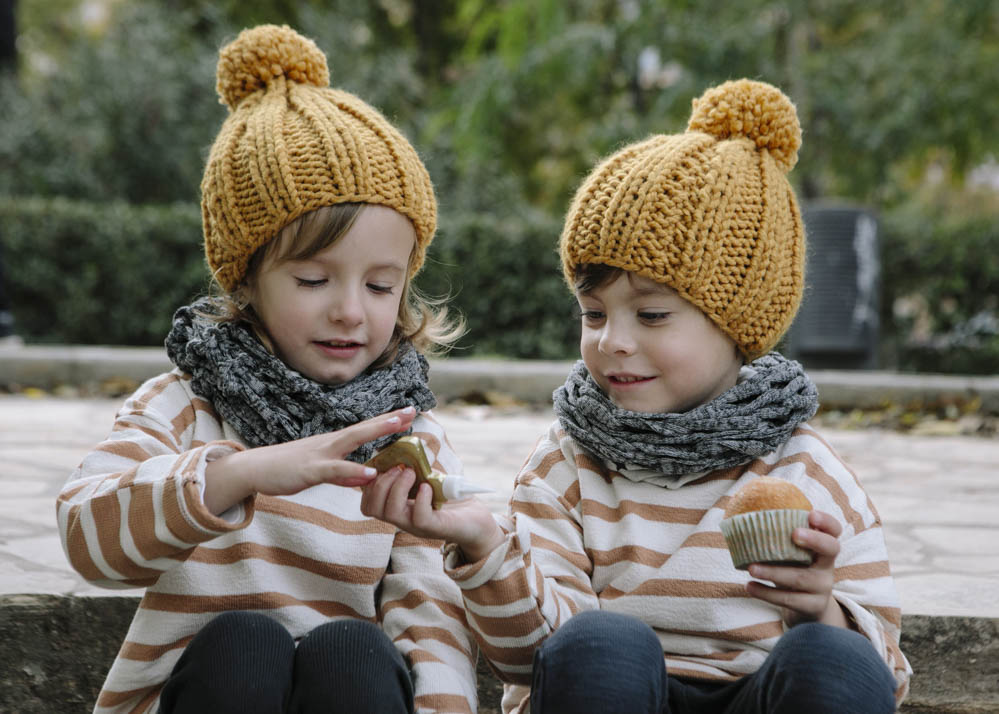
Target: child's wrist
[(225, 482), (480, 548)]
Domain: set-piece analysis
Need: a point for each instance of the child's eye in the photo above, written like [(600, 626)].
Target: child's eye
[(591, 315), (652, 316), (304, 283), (383, 289)]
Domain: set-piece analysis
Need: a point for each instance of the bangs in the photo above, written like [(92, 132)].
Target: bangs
[(587, 277), (312, 233)]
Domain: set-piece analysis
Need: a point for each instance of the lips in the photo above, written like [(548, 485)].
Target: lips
[(626, 378), (338, 344)]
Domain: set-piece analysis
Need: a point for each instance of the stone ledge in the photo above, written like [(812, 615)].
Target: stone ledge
[(57, 650), (532, 381)]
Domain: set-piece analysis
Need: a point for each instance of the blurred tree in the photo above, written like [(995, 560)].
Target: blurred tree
[(8, 36), (100, 127), (511, 102), (546, 85), (239, 13)]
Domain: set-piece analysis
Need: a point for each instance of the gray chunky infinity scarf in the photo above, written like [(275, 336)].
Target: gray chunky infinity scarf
[(753, 418), (267, 402)]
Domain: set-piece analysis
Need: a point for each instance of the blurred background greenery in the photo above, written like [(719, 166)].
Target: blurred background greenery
[(108, 107)]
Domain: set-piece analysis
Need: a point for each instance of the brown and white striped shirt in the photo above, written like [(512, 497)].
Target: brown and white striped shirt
[(582, 536), (132, 515)]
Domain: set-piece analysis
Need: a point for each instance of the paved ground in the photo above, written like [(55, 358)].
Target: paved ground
[(938, 495)]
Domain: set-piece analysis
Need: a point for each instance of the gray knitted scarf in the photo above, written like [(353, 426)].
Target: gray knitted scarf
[(753, 418), (267, 402)]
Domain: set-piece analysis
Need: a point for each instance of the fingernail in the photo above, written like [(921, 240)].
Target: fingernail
[(368, 471), (393, 420), (409, 410)]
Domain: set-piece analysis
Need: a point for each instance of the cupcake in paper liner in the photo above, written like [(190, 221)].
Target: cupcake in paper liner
[(759, 521)]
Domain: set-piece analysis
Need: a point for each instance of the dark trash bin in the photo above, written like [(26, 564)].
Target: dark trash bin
[(838, 326)]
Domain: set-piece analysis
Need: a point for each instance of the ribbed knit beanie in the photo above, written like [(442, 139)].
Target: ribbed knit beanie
[(708, 212), (291, 144)]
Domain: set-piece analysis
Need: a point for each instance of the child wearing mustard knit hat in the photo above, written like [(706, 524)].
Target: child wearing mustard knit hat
[(228, 487), (610, 586)]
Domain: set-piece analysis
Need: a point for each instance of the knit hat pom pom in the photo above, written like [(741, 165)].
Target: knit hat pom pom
[(755, 110), (260, 55)]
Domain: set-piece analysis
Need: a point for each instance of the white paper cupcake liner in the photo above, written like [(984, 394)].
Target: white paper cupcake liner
[(765, 537)]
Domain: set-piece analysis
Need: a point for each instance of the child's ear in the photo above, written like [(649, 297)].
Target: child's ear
[(242, 296)]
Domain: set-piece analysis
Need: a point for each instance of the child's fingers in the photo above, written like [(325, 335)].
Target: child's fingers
[(806, 591), (821, 537), (824, 545), (822, 521), (351, 437), (347, 473), (806, 604), (397, 500), (376, 492), (424, 517), (794, 579)]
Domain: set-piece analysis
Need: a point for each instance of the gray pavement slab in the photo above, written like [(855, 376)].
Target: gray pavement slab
[(937, 495)]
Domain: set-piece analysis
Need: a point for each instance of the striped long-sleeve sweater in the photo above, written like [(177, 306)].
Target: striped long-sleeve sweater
[(132, 515), (581, 536)]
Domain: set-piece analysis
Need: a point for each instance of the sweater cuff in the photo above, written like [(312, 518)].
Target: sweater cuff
[(234, 518), (469, 576), (864, 621)]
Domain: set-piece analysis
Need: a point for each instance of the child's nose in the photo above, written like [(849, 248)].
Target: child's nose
[(616, 339), (346, 307)]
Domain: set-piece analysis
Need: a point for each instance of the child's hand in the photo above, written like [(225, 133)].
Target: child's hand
[(466, 522), (285, 469), (805, 594)]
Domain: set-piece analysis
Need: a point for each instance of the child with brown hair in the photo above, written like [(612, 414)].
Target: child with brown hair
[(610, 587), (227, 487)]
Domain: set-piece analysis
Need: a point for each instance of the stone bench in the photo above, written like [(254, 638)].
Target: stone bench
[(57, 649)]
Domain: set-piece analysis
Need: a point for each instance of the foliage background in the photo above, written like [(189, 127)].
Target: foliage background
[(108, 113)]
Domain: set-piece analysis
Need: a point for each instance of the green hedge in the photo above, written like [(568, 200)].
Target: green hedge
[(505, 277), (88, 273), (113, 273), (940, 259)]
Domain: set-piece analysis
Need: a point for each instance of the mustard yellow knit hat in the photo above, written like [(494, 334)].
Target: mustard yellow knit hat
[(290, 145), (708, 212)]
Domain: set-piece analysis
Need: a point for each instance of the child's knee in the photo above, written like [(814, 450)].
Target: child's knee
[(348, 649), (832, 664), (592, 644), (243, 631), (237, 662), (814, 641), (600, 632), (599, 661), (354, 662), (355, 639)]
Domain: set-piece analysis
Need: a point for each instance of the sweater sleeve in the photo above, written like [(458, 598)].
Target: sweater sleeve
[(863, 584), (541, 575), (134, 508), (865, 589), (421, 609)]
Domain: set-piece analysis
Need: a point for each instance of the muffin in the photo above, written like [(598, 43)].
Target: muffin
[(759, 520)]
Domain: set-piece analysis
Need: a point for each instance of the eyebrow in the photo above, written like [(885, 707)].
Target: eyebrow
[(378, 266), (654, 290), (389, 266)]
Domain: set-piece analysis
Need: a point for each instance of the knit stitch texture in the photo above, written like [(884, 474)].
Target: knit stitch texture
[(267, 402), (774, 397), (292, 144), (708, 212)]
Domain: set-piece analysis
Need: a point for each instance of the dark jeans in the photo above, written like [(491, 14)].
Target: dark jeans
[(600, 662), (246, 662)]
